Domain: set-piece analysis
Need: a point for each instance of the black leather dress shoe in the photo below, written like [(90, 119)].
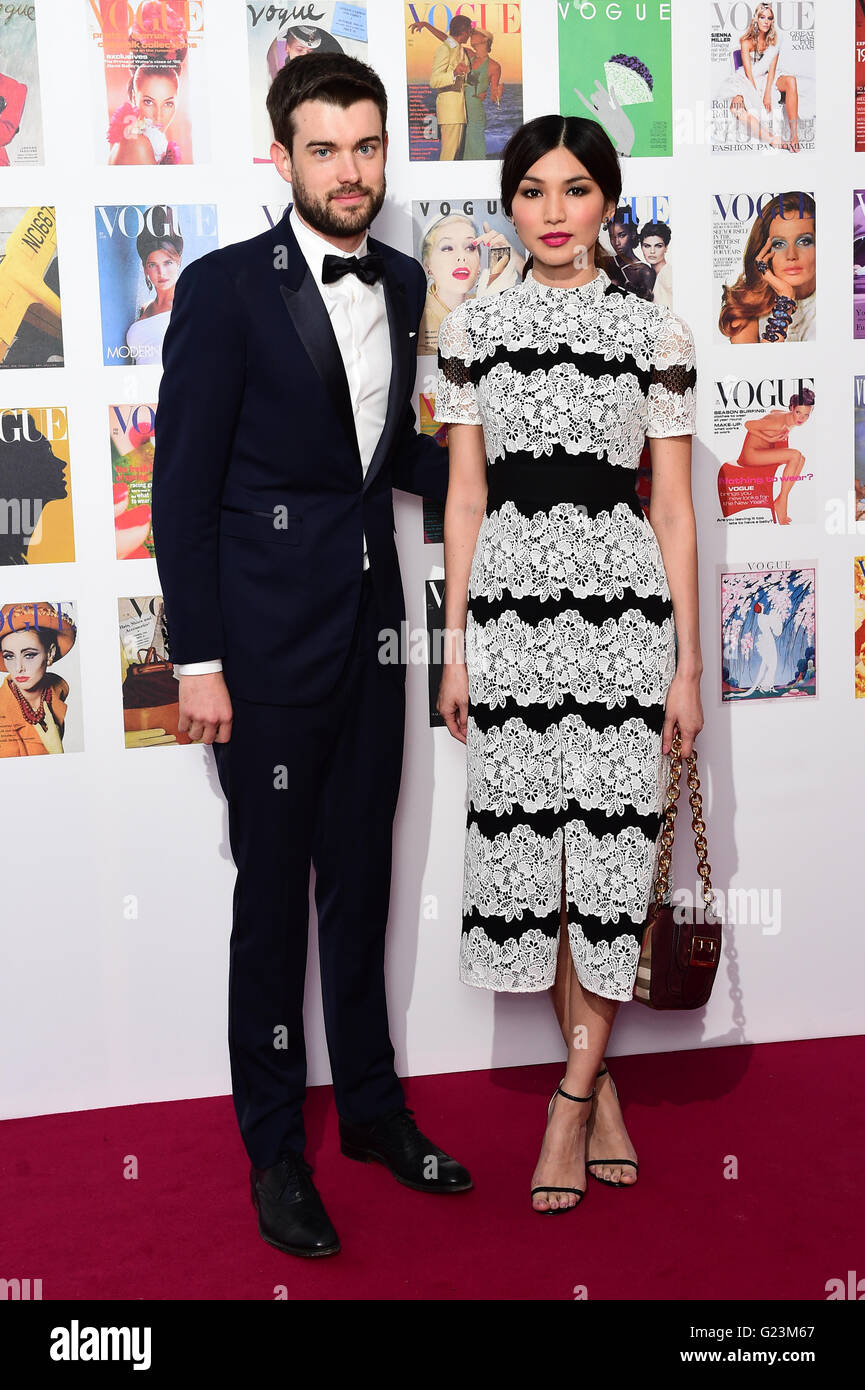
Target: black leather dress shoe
[(413, 1159), (291, 1214)]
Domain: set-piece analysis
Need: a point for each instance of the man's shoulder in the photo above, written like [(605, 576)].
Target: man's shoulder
[(238, 255), (405, 266)]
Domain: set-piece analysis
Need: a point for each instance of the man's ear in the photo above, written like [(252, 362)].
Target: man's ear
[(384, 145), (281, 159)]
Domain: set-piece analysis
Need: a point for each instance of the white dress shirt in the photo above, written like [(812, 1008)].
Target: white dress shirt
[(358, 313)]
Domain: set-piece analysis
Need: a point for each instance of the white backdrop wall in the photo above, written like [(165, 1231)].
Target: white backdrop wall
[(116, 876)]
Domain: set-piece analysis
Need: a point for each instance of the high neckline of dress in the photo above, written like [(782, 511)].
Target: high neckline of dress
[(592, 289)]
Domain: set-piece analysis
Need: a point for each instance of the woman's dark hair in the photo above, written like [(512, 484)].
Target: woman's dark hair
[(146, 242), (335, 78), (805, 397), (587, 141), (151, 69), (659, 229)]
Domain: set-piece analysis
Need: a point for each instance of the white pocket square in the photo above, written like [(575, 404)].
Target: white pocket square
[(412, 335)]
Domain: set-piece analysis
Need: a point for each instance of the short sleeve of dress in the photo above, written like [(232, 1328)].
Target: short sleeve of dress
[(672, 399), (455, 393)]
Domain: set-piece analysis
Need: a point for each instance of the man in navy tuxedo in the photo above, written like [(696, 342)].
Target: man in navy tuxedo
[(284, 422)]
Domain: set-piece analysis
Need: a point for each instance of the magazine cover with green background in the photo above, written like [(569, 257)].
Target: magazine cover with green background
[(619, 72)]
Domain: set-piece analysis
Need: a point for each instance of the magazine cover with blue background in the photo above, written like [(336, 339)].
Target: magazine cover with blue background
[(141, 251)]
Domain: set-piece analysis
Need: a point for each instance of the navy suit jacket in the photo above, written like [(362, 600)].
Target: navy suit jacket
[(259, 502)]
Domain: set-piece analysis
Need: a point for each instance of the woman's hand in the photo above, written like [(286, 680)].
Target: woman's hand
[(453, 698), (779, 285), (492, 239), (685, 709)]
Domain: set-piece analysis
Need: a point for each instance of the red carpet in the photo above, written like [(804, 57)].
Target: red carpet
[(790, 1114)]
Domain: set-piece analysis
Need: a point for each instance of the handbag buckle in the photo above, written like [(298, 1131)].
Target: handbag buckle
[(704, 950)]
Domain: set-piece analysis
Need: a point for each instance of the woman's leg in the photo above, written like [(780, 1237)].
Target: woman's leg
[(793, 461), (585, 1020), (792, 469), (755, 126), (790, 88)]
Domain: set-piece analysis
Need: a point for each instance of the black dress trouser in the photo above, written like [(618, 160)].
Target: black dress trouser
[(313, 784)]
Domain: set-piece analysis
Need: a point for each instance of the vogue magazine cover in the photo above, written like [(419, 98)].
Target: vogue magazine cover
[(150, 690), (768, 632), (131, 431), (764, 251), (615, 67), (467, 248), (141, 251), (859, 626), (434, 593), (31, 333), (639, 240), (40, 685), (433, 512), (35, 495), (859, 263), (20, 105), (859, 109), (277, 34), (271, 214), (763, 76), (151, 107), (464, 77), (859, 446), (765, 441)]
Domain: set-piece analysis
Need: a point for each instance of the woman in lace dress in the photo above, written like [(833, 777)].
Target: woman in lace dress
[(572, 676)]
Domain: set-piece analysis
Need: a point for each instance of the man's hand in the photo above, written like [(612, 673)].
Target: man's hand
[(205, 708)]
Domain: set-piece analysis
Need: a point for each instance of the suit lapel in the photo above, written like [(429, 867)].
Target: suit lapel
[(308, 313), (397, 322), (311, 321)]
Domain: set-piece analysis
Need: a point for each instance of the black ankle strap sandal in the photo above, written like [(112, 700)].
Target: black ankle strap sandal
[(611, 1162), (578, 1192)]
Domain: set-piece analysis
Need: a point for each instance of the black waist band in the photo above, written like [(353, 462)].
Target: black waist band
[(584, 479)]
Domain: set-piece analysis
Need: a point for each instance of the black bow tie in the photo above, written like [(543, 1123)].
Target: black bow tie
[(367, 268)]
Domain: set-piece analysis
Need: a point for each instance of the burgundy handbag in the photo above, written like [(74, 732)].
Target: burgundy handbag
[(680, 953)]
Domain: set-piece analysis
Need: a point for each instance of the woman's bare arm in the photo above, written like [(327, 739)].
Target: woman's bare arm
[(464, 512), (671, 515)]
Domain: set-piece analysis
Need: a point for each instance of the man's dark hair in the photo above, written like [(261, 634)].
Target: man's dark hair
[(332, 77), (459, 21)]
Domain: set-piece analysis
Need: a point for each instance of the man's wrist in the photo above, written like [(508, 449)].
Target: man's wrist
[(197, 668)]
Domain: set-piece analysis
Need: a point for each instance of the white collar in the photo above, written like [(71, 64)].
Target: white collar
[(592, 289), (316, 247)]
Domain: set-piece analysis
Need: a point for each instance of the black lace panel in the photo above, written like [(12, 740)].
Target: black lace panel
[(677, 378), (456, 371)]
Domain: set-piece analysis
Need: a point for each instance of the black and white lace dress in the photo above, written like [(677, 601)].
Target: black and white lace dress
[(569, 637)]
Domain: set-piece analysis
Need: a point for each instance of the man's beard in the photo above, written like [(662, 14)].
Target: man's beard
[(327, 218)]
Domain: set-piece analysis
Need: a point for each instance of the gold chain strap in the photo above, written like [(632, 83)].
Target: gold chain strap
[(665, 855)]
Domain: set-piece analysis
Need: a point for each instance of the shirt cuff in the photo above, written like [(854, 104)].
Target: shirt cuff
[(197, 668)]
